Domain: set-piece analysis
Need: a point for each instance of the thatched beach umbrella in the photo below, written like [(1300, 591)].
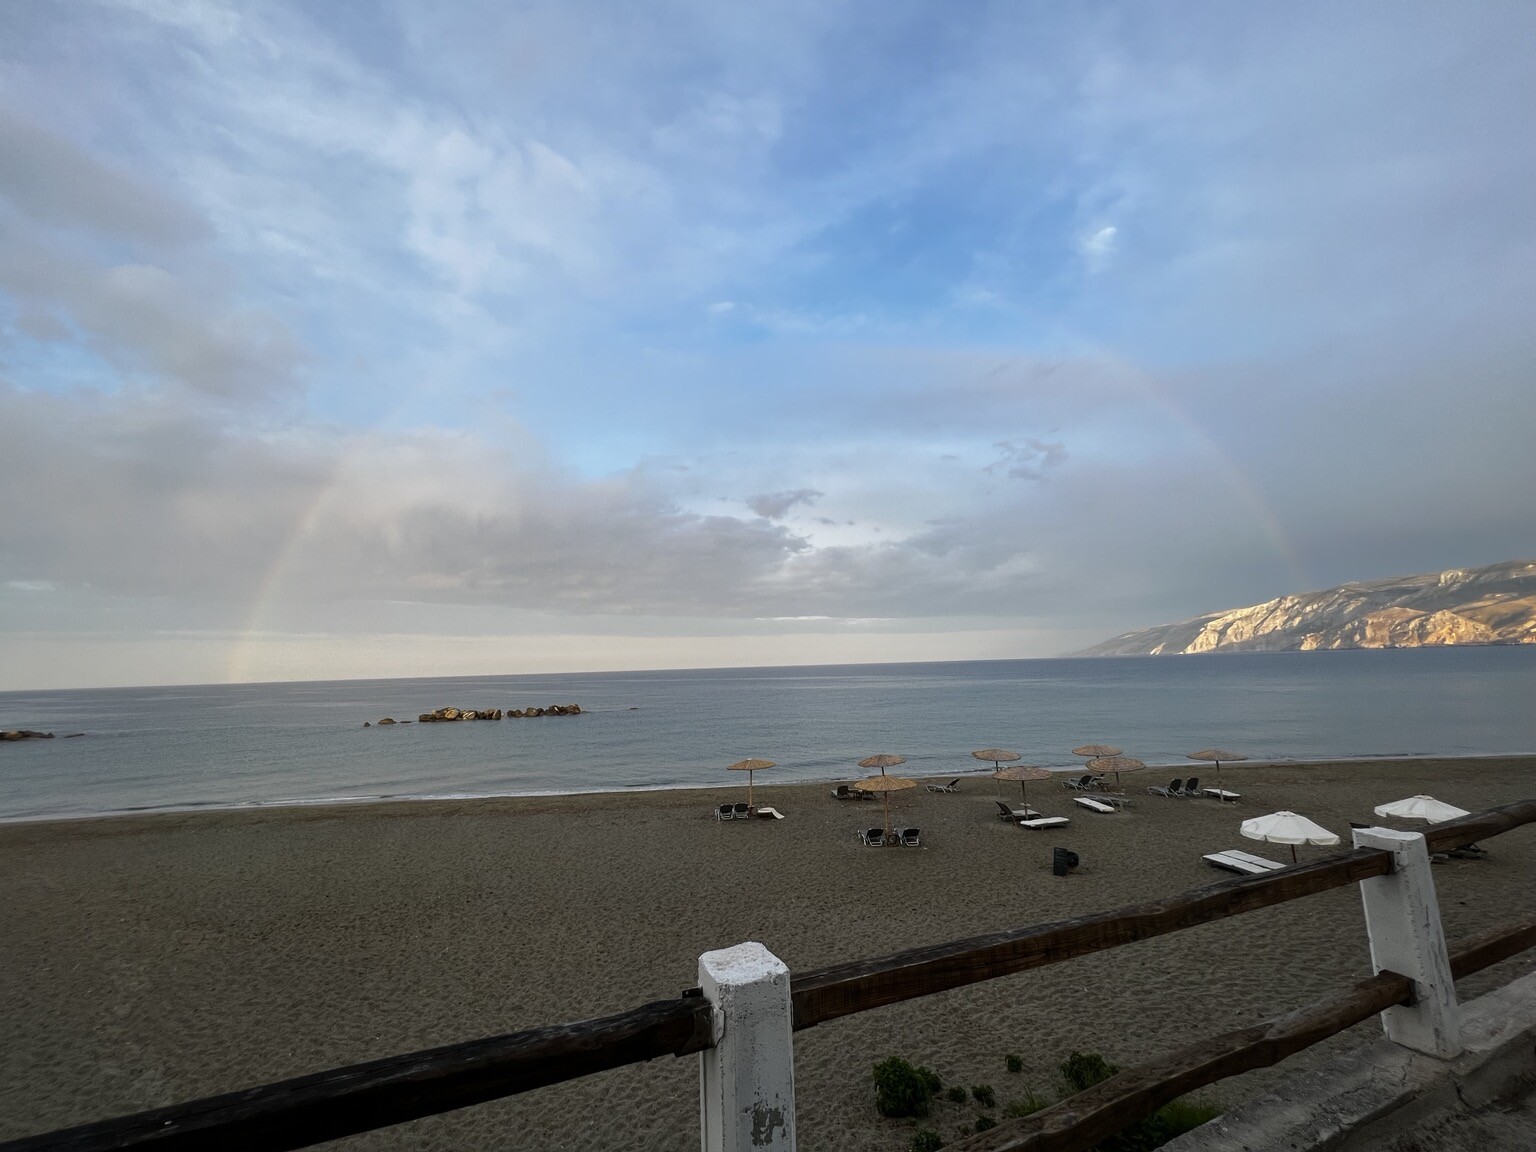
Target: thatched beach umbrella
[(882, 761), (1021, 773), (885, 785), (749, 767), (1092, 751), (1216, 756), (1421, 808), (1115, 764), (1287, 828), (998, 756)]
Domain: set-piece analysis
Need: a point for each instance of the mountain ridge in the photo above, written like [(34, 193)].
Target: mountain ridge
[(1494, 604)]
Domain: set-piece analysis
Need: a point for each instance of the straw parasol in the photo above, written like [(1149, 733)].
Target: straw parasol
[(1216, 756), (1021, 773), (749, 767), (885, 785), (1095, 750), (1287, 828), (882, 761), (1421, 808), (1115, 764), (998, 756)]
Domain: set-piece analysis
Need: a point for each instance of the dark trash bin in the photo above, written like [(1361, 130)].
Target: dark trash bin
[(1063, 860)]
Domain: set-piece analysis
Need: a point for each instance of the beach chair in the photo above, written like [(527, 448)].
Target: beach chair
[(1223, 795), (1004, 812), (952, 786), (740, 812), (1040, 822), (872, 835), (909, 837), (1193, 787), (1093, 805), (846, 792), (1081, 784), (1248, 864), (1117, 801), (723, 812), (1174, 789)]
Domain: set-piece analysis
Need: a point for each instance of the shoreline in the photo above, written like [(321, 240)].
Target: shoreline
[(296, 803)]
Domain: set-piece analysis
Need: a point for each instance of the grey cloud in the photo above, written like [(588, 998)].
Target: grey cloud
[(1028, 460), (146, 319), (776, 505), (52, 181)]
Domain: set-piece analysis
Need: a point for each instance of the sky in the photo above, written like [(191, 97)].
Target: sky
[(393, 339)]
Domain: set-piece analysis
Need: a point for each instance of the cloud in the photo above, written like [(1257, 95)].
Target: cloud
[(776, 505), (1098, 247), (1027, 461)]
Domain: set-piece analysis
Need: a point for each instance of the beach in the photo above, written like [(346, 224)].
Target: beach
[(152, 959)]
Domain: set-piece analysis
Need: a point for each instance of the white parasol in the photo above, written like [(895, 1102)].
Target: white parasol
[(1287, 828)]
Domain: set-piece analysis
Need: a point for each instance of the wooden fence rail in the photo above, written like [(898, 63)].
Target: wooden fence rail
[(345, 1101), (1082, 1120)]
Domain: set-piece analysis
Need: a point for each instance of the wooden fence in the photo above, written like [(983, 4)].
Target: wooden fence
[(359, 1098)]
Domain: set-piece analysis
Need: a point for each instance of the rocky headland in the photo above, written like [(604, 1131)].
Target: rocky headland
[(1491, 605)]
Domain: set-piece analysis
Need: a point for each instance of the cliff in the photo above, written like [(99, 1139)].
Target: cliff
[(1492, 605)]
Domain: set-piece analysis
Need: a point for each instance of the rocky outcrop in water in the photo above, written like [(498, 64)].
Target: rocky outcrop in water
[(1492, 605), (13, 734)]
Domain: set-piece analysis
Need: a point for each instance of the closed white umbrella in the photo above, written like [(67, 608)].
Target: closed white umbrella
[(1287, 828), (1421, 808)]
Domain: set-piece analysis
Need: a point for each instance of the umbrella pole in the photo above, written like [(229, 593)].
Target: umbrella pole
[(749, 791), (887, 797), (1293, 853)]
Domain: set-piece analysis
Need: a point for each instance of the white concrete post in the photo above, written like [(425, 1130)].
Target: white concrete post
[(747, 1080), (1402, 916)]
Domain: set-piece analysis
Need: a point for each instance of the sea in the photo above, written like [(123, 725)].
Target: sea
[(236, 745)]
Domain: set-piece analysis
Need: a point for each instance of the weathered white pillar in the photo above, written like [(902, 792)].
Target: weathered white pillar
[(1402, 916), (747, 1080)]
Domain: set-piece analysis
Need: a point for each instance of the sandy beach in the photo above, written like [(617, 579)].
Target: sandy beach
[(151, 959)]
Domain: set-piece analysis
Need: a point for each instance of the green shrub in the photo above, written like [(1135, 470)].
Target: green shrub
[(900, 1089), (1015, 1065), (926, 1140), (1027, 1106), (930, 1080), (956, 1095), (984, 1122), (984, 1095), (1082, 1070)]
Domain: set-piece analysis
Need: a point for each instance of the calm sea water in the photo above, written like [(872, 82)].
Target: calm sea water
[(147, 748)]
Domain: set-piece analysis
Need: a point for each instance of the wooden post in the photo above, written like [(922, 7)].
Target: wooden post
[(747, 1080), (1402, 917)]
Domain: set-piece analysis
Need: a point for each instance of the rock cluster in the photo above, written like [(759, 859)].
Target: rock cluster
[(552, 710), (459, 714), (25, 734)]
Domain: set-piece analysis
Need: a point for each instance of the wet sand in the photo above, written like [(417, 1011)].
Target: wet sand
[(151, 959)]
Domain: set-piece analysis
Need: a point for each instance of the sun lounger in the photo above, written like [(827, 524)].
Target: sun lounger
[(872, 835), (1093, 805), (741, 812), (1234, 860), (909, 837), (723, 812), (1081, 784), (1193, 787), (952, 786), (1174, 789), (1044, 822), (1004, 812), (770, 814), (1222, 794), (846, 792), (1117, 801)]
